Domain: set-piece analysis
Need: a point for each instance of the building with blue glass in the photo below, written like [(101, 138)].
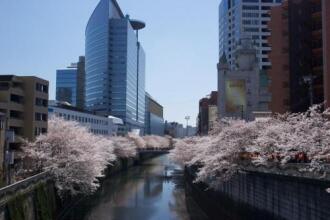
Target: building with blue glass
[(115, 66), (66, 85), (70, 84), (245, 18)]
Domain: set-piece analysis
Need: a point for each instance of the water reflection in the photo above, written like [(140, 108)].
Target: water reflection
[(154, 190)]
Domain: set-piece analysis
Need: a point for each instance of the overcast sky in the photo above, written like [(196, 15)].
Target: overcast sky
[(181, 43)]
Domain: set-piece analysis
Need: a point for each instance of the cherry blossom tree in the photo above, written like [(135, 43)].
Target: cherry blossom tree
[(72, 155), (153, 141), (233, 144), (124, 147), (77, 158)]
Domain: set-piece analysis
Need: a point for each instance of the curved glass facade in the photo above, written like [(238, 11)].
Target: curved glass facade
[(114, 84)]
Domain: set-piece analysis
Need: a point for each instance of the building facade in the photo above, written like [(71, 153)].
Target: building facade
[(115, 65), (208, 113), (245, 18), (81, 75), (326, 49), (299, 40), (66, 85), (279, 56), (98, 125), (154, 118), (177, 130), (70, 84), (2, 144), (24, 101), (24, 108), (241, 91)]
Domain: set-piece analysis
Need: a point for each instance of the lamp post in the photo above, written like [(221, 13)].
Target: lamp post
[(187, 118)]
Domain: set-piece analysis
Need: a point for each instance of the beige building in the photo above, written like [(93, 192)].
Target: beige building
[(24, 104)]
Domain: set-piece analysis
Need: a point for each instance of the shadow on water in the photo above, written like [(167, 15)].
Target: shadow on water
[(153, 190)]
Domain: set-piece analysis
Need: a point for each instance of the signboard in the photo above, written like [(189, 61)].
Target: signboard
[(235, 96)]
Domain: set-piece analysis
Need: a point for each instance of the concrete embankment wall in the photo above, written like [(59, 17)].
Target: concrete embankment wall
[(256, 195), (33, 198)]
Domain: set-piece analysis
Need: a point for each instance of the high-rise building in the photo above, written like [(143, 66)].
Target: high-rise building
[(154, 118), (70, 84), (245, 18), (115, 65), (299, 74)]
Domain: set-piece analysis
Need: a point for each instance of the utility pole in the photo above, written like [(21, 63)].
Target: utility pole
[(187, 118)]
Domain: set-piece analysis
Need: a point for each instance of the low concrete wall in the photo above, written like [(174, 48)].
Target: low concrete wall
[(257, 195), (30, 199)]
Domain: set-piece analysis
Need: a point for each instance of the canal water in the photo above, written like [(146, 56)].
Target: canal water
[(154, 190)]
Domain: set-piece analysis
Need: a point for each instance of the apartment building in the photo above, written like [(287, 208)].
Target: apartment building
[(299, 38), (24, 101)]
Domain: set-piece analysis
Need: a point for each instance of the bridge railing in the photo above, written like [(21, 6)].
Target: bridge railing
[(167, 149)]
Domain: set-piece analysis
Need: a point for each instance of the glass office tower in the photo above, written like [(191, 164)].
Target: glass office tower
[(245, 18), (66, 85), (115, 60)]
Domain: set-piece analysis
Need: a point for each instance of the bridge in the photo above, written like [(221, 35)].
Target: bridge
[(155, 150)]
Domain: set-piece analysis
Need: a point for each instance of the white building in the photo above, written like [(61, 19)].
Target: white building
[(245, 18), (240, 91), (108, 126)]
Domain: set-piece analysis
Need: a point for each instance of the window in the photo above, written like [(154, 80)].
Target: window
[(42, 88), (41, 117), (41, 102), (250, 7), (17, 99)]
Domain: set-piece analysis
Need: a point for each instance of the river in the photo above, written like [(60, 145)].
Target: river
[(154, 190)]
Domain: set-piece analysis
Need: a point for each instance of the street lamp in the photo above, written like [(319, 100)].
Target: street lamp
[(187, 118)]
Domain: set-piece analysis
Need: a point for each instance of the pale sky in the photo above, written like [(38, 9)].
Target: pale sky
[(180, 40)]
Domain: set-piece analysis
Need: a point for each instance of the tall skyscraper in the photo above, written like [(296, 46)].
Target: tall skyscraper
[(245, 18), (115, 65), (70, 84)]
